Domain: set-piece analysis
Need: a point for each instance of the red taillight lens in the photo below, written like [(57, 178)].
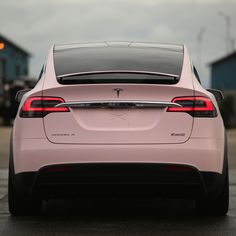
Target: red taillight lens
[(195, 106), (41, 106)]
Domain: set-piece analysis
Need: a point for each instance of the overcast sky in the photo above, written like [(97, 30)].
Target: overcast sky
[(38, 24)]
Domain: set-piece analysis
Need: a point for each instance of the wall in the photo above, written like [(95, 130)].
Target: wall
[(223, 74)]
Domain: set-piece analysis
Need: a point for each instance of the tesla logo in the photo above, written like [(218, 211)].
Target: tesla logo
[(118, 90)]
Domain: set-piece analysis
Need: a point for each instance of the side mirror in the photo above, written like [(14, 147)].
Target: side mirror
[(217, 93), (20, 94)]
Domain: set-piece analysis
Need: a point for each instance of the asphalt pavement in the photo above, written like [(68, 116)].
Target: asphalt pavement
[(116, 216)]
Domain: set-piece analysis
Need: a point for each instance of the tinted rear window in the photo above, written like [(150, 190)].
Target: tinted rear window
[(76, 60)]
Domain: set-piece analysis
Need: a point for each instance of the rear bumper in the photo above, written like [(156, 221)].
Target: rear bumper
[(122, 179), (205, 155)]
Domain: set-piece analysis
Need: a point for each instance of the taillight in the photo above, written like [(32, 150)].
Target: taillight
[(195, 106), (41, 106)]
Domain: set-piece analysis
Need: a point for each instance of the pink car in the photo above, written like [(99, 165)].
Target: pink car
[(118, 119)]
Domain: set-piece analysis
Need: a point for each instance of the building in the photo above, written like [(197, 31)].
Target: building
[(223, 77), (223, 73), (14, 61), (14, 67)]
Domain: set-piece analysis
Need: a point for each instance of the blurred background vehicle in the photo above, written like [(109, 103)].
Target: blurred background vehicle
[(8, 104)]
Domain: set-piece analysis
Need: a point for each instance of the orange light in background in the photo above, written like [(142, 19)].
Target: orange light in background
[(2, 45)]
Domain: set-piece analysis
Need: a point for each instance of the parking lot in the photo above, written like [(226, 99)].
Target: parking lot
[(116, 216)]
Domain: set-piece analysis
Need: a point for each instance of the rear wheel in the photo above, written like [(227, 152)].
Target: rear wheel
[(19, 205), (217, 206)]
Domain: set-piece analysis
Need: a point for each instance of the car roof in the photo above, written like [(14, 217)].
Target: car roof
[(83, 57)]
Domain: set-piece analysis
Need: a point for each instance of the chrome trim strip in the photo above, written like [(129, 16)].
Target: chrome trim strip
[(118, 71), (118, 104)]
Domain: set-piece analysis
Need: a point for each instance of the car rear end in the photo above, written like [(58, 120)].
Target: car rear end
[(119, 119)]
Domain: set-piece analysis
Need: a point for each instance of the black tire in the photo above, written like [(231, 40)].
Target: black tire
[(18, 205), (217, 206)]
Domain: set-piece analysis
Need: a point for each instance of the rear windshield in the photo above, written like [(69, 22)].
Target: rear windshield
[(69, 62)]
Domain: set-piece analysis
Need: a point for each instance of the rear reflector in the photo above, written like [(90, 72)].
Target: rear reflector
[(41, 106), (195, 106)]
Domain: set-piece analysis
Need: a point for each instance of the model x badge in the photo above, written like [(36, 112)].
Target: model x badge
[(118, 90)]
